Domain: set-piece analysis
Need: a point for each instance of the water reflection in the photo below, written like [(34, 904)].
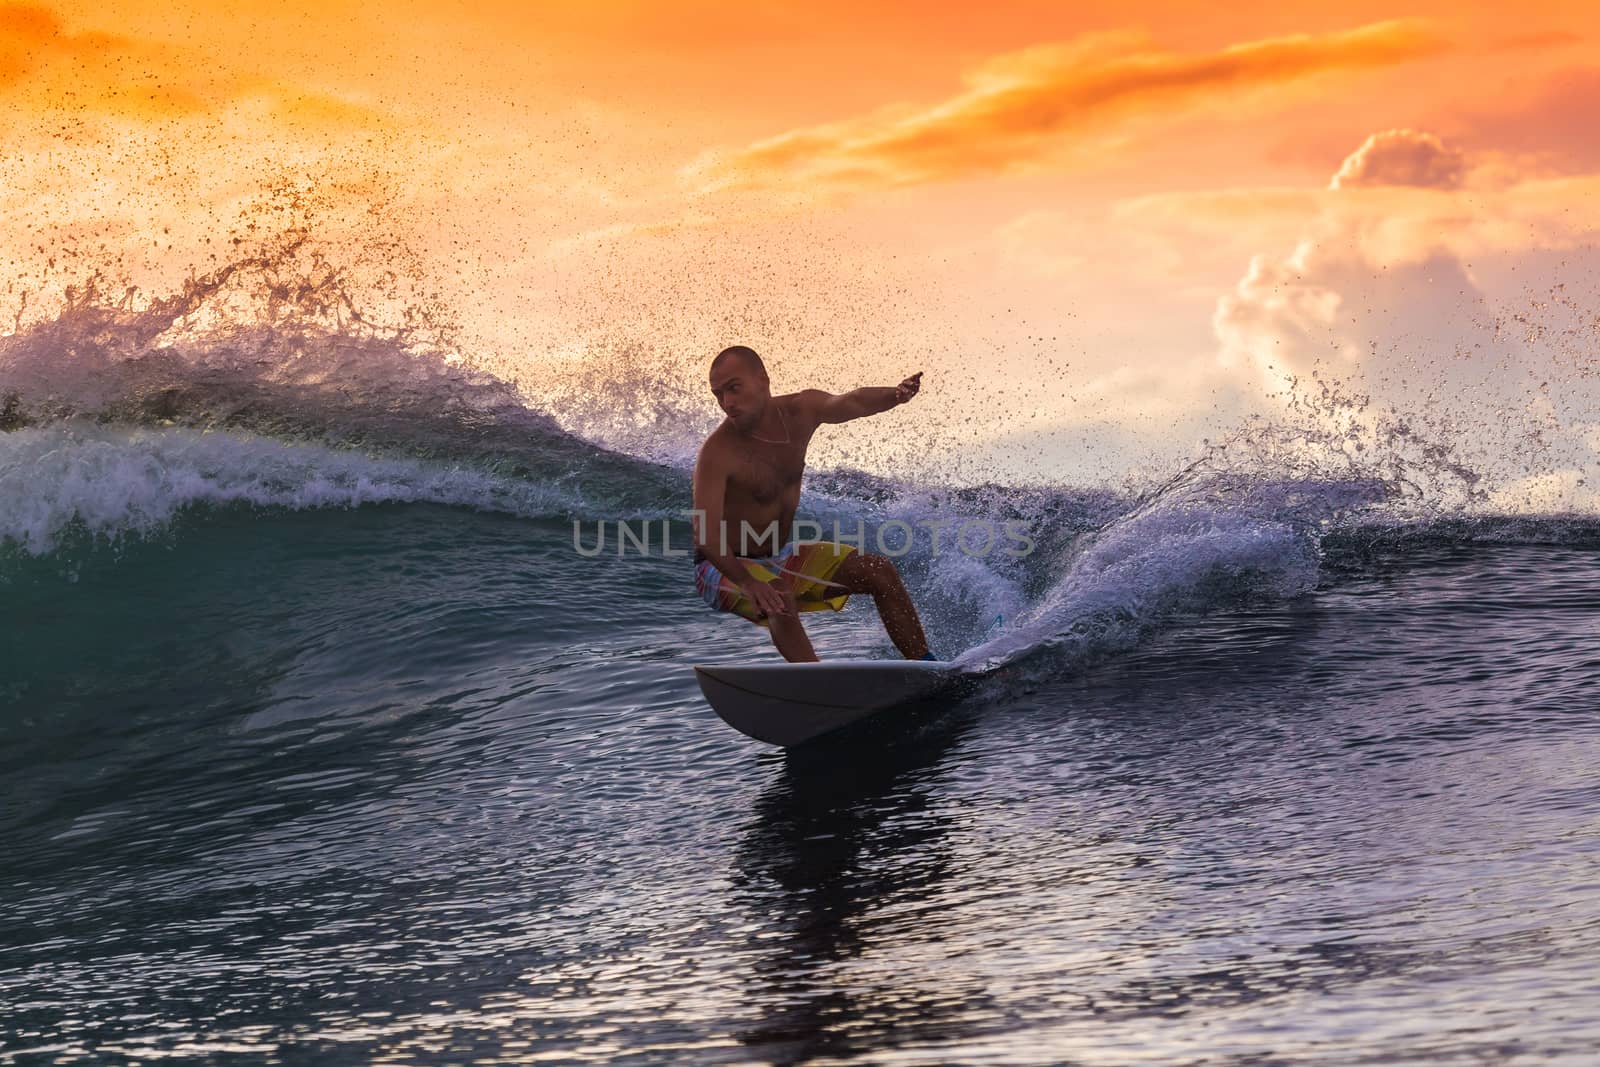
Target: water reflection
[(1353, 827), (845, 845)]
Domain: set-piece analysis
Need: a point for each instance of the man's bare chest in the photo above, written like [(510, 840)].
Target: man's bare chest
[(765, 473)]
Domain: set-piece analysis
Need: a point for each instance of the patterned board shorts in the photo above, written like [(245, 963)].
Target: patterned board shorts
[(808, 567)]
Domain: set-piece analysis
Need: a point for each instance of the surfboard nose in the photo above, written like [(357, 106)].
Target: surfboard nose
[(788, 704)]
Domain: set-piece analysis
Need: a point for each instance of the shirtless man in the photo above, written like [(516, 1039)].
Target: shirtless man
[(746, 490)]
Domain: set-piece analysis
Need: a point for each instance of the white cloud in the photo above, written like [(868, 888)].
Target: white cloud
[(1432, 303), (1402, 157)]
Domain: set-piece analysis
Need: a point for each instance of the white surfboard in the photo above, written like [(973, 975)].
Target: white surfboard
[(790, 703)]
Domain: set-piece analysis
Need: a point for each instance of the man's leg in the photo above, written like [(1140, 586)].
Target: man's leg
[(789, 636), (862, 573)]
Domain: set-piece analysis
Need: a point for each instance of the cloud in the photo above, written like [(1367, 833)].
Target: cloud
[(45, 66), (31, 37), (1328, 308), (1396, 255), (1402, 157), (1462, 309), (1061, 103), (1492, 209)]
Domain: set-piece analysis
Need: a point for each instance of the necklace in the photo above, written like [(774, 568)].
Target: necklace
[(770, 441)]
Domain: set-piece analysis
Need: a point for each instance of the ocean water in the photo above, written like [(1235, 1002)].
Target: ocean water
[(321, 741)]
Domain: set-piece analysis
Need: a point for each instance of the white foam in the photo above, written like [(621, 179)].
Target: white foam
[(1185, 555), (113, 480)]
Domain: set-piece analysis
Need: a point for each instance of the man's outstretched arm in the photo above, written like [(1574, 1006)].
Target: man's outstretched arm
[(869, 400)]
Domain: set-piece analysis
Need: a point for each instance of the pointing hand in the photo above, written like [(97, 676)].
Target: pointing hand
[(908, 388)]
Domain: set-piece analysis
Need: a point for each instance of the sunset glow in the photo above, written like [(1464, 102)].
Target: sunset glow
[(1105, 232)]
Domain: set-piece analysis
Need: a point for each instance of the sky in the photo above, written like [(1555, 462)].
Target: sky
[(1106, 232)]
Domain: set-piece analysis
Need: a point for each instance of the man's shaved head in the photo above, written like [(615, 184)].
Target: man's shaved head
[(739, 382), (745, 355)]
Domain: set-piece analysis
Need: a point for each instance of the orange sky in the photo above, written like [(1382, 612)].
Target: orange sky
[(1103, 228)]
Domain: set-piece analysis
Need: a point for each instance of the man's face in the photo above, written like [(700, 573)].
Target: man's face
[(741, 390)]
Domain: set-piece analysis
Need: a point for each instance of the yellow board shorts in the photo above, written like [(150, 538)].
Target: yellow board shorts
[(805, 567)]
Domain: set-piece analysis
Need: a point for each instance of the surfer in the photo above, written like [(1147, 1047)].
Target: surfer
[(746, 490)]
